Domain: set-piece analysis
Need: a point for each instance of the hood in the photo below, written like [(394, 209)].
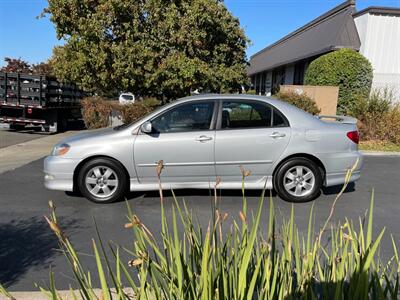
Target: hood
[(89, 134)]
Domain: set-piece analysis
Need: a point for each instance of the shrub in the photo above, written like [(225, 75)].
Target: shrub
[(151, 102), (302, 101), (96, 112), (390, 125), (244, 263), (251, 92), (345, 68), (133, 112), (379, 118), (377, 103)]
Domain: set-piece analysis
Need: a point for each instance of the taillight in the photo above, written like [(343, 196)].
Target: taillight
[(29, 110), (354, 136)]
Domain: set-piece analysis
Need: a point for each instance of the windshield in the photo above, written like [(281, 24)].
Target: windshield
[(127, 97)]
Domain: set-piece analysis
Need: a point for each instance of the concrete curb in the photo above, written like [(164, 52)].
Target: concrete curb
[(16, 156), (65, 295), (380, 153)]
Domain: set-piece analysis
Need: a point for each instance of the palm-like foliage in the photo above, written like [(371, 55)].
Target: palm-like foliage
[(236, 260)]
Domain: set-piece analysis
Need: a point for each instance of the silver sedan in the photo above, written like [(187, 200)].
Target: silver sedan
[(203, 137)]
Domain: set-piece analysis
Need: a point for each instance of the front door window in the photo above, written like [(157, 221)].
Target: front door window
[(184, 118)]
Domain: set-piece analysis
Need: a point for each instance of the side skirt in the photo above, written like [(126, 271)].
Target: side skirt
[(266, 183)]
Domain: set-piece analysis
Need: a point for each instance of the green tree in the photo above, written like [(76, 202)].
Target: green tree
[(151, 47), (345, 68)]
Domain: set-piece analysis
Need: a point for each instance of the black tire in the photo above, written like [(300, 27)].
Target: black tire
[(314, 184), (102, 164)]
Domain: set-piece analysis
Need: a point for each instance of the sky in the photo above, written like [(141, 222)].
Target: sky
[(23, 35)]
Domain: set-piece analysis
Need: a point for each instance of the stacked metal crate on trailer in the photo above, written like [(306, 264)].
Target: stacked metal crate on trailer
[(38, 101)]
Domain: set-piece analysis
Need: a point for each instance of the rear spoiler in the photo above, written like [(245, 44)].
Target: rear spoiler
[(341, 119)]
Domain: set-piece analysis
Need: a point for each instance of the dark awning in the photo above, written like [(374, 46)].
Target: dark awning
[(333, 30)]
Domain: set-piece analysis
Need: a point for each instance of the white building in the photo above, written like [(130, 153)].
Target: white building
[(379, 32), (374, 32)]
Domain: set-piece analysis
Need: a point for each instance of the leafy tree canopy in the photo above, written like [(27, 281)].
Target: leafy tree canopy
[(151, 47), (345, 68), (14, 65)]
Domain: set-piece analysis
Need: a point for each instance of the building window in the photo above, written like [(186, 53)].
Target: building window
[(278, 78), (299, 70), (257, 83), (263, 78)]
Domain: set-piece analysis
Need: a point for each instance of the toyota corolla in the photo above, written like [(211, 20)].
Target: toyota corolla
[(203, 137)]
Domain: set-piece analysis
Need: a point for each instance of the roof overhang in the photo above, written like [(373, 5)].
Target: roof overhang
[(331, 31), (378, 10)]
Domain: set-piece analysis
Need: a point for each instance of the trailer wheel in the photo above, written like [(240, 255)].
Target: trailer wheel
[(17, 127), (62, 124)]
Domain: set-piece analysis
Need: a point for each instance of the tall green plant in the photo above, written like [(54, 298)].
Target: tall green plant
[(243, 263)]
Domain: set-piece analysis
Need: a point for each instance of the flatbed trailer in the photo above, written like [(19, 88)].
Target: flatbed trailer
[(38, 101)]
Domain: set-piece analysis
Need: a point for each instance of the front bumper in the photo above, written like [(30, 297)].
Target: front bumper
[(59, 173), (337, 165)]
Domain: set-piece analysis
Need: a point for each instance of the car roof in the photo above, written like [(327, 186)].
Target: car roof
[(297, 117), (293, 113), (271, 100)]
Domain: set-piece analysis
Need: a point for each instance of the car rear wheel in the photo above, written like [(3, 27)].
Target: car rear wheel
[(102, 180), (298, 180)]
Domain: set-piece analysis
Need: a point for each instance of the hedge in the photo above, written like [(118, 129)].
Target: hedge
[(97, 110), (302, 101), (345, 68), (379, 117)]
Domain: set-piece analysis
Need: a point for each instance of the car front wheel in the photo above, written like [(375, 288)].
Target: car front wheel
[(102, 180), (298, 180)]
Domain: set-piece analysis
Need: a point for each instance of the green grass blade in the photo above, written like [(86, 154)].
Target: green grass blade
[(102, 277)]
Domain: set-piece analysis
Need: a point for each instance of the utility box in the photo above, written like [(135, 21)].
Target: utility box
[(326, 97)]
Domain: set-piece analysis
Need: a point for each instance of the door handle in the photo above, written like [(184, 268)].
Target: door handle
[(204, 138), (277, 135)]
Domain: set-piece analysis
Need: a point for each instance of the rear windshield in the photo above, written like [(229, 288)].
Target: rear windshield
[(127, 97)]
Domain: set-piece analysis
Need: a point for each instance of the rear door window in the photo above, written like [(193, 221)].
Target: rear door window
[(238, 114)]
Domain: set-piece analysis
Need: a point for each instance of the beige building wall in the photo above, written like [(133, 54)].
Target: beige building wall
[(326, 97)]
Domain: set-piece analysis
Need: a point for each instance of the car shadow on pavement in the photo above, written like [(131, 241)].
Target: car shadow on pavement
[(199, 192), (333, 190), (25, 244)]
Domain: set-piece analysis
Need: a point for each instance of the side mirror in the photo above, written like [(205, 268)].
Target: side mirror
[(146, 127)]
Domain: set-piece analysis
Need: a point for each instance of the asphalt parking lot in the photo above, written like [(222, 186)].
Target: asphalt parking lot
[(28, 248)]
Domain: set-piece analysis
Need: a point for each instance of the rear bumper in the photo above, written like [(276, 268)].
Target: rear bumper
[(21, 120), (59, 173), (338, 164)]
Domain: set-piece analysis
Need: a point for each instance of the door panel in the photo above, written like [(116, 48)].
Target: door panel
[(184, 138), (254, 149), (251, 134), (187, 156)]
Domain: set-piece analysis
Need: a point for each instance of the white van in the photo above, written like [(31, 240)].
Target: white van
[(126, 98)]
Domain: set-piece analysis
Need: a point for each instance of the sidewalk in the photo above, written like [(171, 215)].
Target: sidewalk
[(65, 295), (15, 156), (379, 153)]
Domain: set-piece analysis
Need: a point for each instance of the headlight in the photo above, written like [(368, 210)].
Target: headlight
[(60, 149)]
